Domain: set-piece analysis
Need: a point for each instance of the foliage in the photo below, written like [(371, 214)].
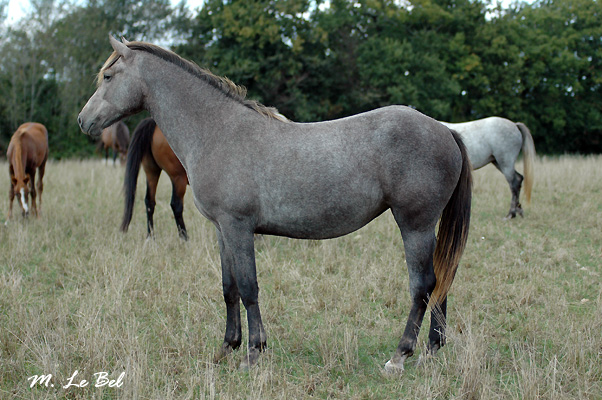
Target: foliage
[(454, 60), (53, 56)]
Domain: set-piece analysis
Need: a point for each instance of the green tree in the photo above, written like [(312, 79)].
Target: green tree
[(26, 93), (54, 55), (3, 10), (452, 59), (562, 73), (266, 46)]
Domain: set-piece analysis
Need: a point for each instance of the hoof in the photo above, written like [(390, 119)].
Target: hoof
[(250, 360), (433, 349), (222, 353), (514, 212), (393, 369)]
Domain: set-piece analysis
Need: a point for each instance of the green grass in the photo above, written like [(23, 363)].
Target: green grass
[(525, 311)]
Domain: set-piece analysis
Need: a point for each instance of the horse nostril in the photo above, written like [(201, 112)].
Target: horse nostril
[(79, 121)]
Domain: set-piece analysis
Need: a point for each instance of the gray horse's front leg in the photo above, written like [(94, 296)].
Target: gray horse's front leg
[(233, 335), (240, 283)]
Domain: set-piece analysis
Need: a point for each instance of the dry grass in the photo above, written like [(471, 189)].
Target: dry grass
[(75, 294)]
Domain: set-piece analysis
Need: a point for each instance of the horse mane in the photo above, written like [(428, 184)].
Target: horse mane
[(221, 83)]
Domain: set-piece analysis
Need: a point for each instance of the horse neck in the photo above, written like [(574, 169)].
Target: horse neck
[(190, 110)]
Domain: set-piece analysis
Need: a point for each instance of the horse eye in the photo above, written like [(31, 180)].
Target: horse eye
[(107, 77)]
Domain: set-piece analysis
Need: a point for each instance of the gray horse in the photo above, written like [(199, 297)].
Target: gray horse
[(251, 172), (499, 141)]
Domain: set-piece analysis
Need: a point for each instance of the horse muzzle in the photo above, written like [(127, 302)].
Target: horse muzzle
[(91, 128)]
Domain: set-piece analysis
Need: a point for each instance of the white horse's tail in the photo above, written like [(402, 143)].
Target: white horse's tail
[(528, 159)]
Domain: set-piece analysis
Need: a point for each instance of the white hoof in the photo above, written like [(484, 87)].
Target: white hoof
[(393, 369)]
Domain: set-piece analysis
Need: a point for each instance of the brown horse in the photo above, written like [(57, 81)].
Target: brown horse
[(150, 148), (27, 151), (117, 138)]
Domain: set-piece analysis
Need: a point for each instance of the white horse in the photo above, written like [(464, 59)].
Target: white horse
[(499, 141)]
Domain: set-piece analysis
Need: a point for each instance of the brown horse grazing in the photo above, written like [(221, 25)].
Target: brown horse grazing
[(150, 148), (117, 138), (27, 151)]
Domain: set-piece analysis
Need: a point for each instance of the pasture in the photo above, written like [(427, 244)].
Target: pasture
[(76, 294)]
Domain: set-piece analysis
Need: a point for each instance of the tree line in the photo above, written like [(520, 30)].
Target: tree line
[(454, 60)]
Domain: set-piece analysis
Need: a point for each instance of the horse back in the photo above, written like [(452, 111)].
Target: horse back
[(326, 179), (489, 139)]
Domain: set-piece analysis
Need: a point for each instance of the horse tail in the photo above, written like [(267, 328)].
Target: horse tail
[(139, 147), (528, 159), (453, 229)]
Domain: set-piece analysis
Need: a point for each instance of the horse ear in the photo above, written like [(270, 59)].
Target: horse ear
[(125, 41), (120, 48)]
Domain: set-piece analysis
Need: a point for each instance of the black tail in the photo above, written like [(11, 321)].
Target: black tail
[(139, 147)]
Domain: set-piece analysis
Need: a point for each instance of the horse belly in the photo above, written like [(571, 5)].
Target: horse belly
[(321, 215)]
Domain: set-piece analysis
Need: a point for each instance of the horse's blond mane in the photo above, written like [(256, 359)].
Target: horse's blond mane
[(224, 84)]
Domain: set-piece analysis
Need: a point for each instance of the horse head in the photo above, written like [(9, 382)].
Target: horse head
[(119, 91)]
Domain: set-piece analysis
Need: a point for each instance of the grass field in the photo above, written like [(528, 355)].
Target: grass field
[(525, 310)]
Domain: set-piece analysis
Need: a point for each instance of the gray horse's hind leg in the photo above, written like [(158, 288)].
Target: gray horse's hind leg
[(419, 247), (515, 186), (239, 280), (438, 325), (515, 181)]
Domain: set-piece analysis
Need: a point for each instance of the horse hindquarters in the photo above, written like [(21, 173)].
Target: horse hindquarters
[(432, 264), (528, 159)]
